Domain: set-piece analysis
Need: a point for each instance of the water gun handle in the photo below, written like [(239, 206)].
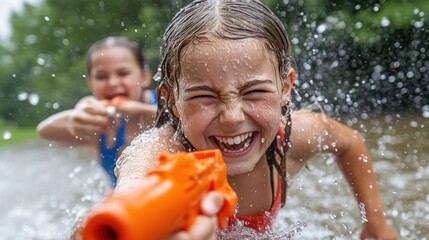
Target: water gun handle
[(168, 199)]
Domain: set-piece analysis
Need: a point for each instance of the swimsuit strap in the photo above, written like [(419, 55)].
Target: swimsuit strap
[(108, 156), (152, 97), (277, 160)]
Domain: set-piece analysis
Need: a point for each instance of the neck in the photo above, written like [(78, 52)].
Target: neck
[(254, 189)]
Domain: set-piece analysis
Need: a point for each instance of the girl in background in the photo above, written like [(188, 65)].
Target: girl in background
[(120, 108)]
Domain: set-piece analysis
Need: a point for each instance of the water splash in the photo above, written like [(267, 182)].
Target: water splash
[(239, 231), (7, 135)]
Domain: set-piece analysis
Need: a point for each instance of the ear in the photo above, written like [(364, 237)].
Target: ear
[(287, 88), (173, 102), (174, 106)]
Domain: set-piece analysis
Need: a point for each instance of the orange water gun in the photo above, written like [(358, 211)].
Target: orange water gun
[(113, 103), (166, 200)]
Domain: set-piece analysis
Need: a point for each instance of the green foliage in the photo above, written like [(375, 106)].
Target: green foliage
[(10, 133), (337, 45)]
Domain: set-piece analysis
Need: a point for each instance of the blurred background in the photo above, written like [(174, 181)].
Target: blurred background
[(353, 58), (364, 63)]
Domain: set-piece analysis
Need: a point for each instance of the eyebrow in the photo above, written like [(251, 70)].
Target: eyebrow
[(257, 82), (199, 88), (245, 86)]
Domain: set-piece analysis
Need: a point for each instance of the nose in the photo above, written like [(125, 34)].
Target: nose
[(232, 114), (113, 81)]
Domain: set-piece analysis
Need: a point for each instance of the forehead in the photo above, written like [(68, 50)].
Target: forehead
[(238, 47), (112, 54), (226, 55)]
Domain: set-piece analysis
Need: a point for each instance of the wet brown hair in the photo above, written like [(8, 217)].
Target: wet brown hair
[(222, 19), (133, 46)]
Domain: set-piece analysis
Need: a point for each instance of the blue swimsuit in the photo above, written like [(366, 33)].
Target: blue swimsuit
[(108, 156)]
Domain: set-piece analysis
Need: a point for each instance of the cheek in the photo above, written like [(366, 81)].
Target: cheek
[(97, 89), (195, 119), (134, 88), (265, 111)]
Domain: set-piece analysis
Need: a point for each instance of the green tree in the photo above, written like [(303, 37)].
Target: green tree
[(352, 57), (48, 46)]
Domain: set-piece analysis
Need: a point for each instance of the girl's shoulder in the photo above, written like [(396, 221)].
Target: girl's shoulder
[(144, 151), (309, 131)]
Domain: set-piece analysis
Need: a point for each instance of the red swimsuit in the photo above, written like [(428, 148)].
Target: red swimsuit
[(262, 222)]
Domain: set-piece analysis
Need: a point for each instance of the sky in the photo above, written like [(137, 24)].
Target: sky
[(6, 9)]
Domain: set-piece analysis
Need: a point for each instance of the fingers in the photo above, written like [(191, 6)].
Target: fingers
[(205, 225), (212, 203), (202, 229), (87, 119)]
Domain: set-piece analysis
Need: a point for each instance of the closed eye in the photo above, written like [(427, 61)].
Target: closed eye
[(123, 72), (258, 87), (201, 96), (257, 91), (101, 77), (200, 92)]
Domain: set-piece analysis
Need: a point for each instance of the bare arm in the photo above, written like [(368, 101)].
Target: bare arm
[(76, 126), (82, 124), (143, 153), (55, 128), (132, 108), (313, 133)]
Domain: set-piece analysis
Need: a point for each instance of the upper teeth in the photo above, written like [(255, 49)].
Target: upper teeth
[(234, 140)]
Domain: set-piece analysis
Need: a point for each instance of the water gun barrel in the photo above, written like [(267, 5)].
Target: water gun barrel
[(166, 200)]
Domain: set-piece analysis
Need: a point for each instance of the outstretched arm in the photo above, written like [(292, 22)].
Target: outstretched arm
[(75, 126), (142, 154), (355, 162), (136, 160), (314, 133)]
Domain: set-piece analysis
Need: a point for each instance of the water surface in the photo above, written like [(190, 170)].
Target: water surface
[(43, 189)]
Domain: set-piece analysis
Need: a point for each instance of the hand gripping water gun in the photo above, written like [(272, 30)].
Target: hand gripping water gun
[(109, 153), (166, 200), (113, 103)]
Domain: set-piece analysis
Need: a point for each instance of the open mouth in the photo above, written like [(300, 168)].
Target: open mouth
[(116, 95), (235, 144)]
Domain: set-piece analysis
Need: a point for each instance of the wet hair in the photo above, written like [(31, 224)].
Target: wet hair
[(205, 20), (133, 46)]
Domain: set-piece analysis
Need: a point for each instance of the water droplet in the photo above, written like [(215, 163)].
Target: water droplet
[(385, 22), (7, 135), (22, 96), (363, 158), (418, 24), (33, 99)]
